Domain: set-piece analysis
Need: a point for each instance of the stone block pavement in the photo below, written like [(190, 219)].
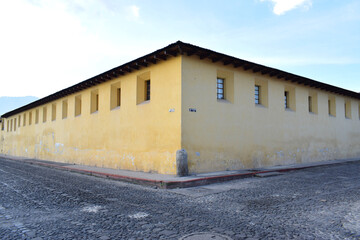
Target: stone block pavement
[(171, 181)]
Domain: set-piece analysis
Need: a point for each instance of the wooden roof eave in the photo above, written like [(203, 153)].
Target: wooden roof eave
[(174, 50)]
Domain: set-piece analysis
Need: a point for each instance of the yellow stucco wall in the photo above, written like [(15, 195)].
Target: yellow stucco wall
[(138, 135), (236, 133)]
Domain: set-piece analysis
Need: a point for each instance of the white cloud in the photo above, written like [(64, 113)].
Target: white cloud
[(49, 45), (135, 11), (133, 14), (283, 6)]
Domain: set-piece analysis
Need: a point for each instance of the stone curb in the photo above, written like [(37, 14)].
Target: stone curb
[(201, 181)]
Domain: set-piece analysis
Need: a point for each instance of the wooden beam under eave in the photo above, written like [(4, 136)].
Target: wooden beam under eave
[(120, 71), (226, 62), (143, 63), (215, 59), (166, 54), (237, 64), (66, 91), (135, 66), (101, 79), (272, 74), (151, 59), (163, 57), (86, 84), (315, 85), (300, 81), (246, 67), (60, 95), (204, 55), (255, 70), (190, 53), (107, 77), (128, 69), (96, 80), (114, 74), (160, 57), (83, 87), (305, 81), (65, 94), (179, 49), (265, 71), (172, 53), (77, 88)]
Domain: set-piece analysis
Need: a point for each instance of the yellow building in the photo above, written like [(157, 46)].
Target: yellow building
[(226, 113)]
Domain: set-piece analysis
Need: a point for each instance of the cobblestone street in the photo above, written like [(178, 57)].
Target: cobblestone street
[(43, 203)]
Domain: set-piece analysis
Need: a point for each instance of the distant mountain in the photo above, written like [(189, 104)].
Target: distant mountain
[(8, 104)]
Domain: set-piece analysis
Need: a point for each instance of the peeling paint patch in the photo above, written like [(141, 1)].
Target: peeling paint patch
[(59, 148), (38, 147), (129, 157), (280, 154)]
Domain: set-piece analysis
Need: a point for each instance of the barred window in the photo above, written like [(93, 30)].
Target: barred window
[(220, 88), (115, 95), (257, 94), (118, 97), (147, 90), (286, 99)]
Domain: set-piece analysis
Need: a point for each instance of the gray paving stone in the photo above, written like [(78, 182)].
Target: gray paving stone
[(317, 203), (167, 232), (104, 238)]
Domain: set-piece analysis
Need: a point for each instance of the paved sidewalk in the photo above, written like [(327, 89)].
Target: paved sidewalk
[(171, 181)]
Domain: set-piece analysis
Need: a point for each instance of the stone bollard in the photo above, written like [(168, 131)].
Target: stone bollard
[(181, 163)]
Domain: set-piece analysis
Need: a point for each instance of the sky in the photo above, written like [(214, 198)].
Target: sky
[(48, 45)]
